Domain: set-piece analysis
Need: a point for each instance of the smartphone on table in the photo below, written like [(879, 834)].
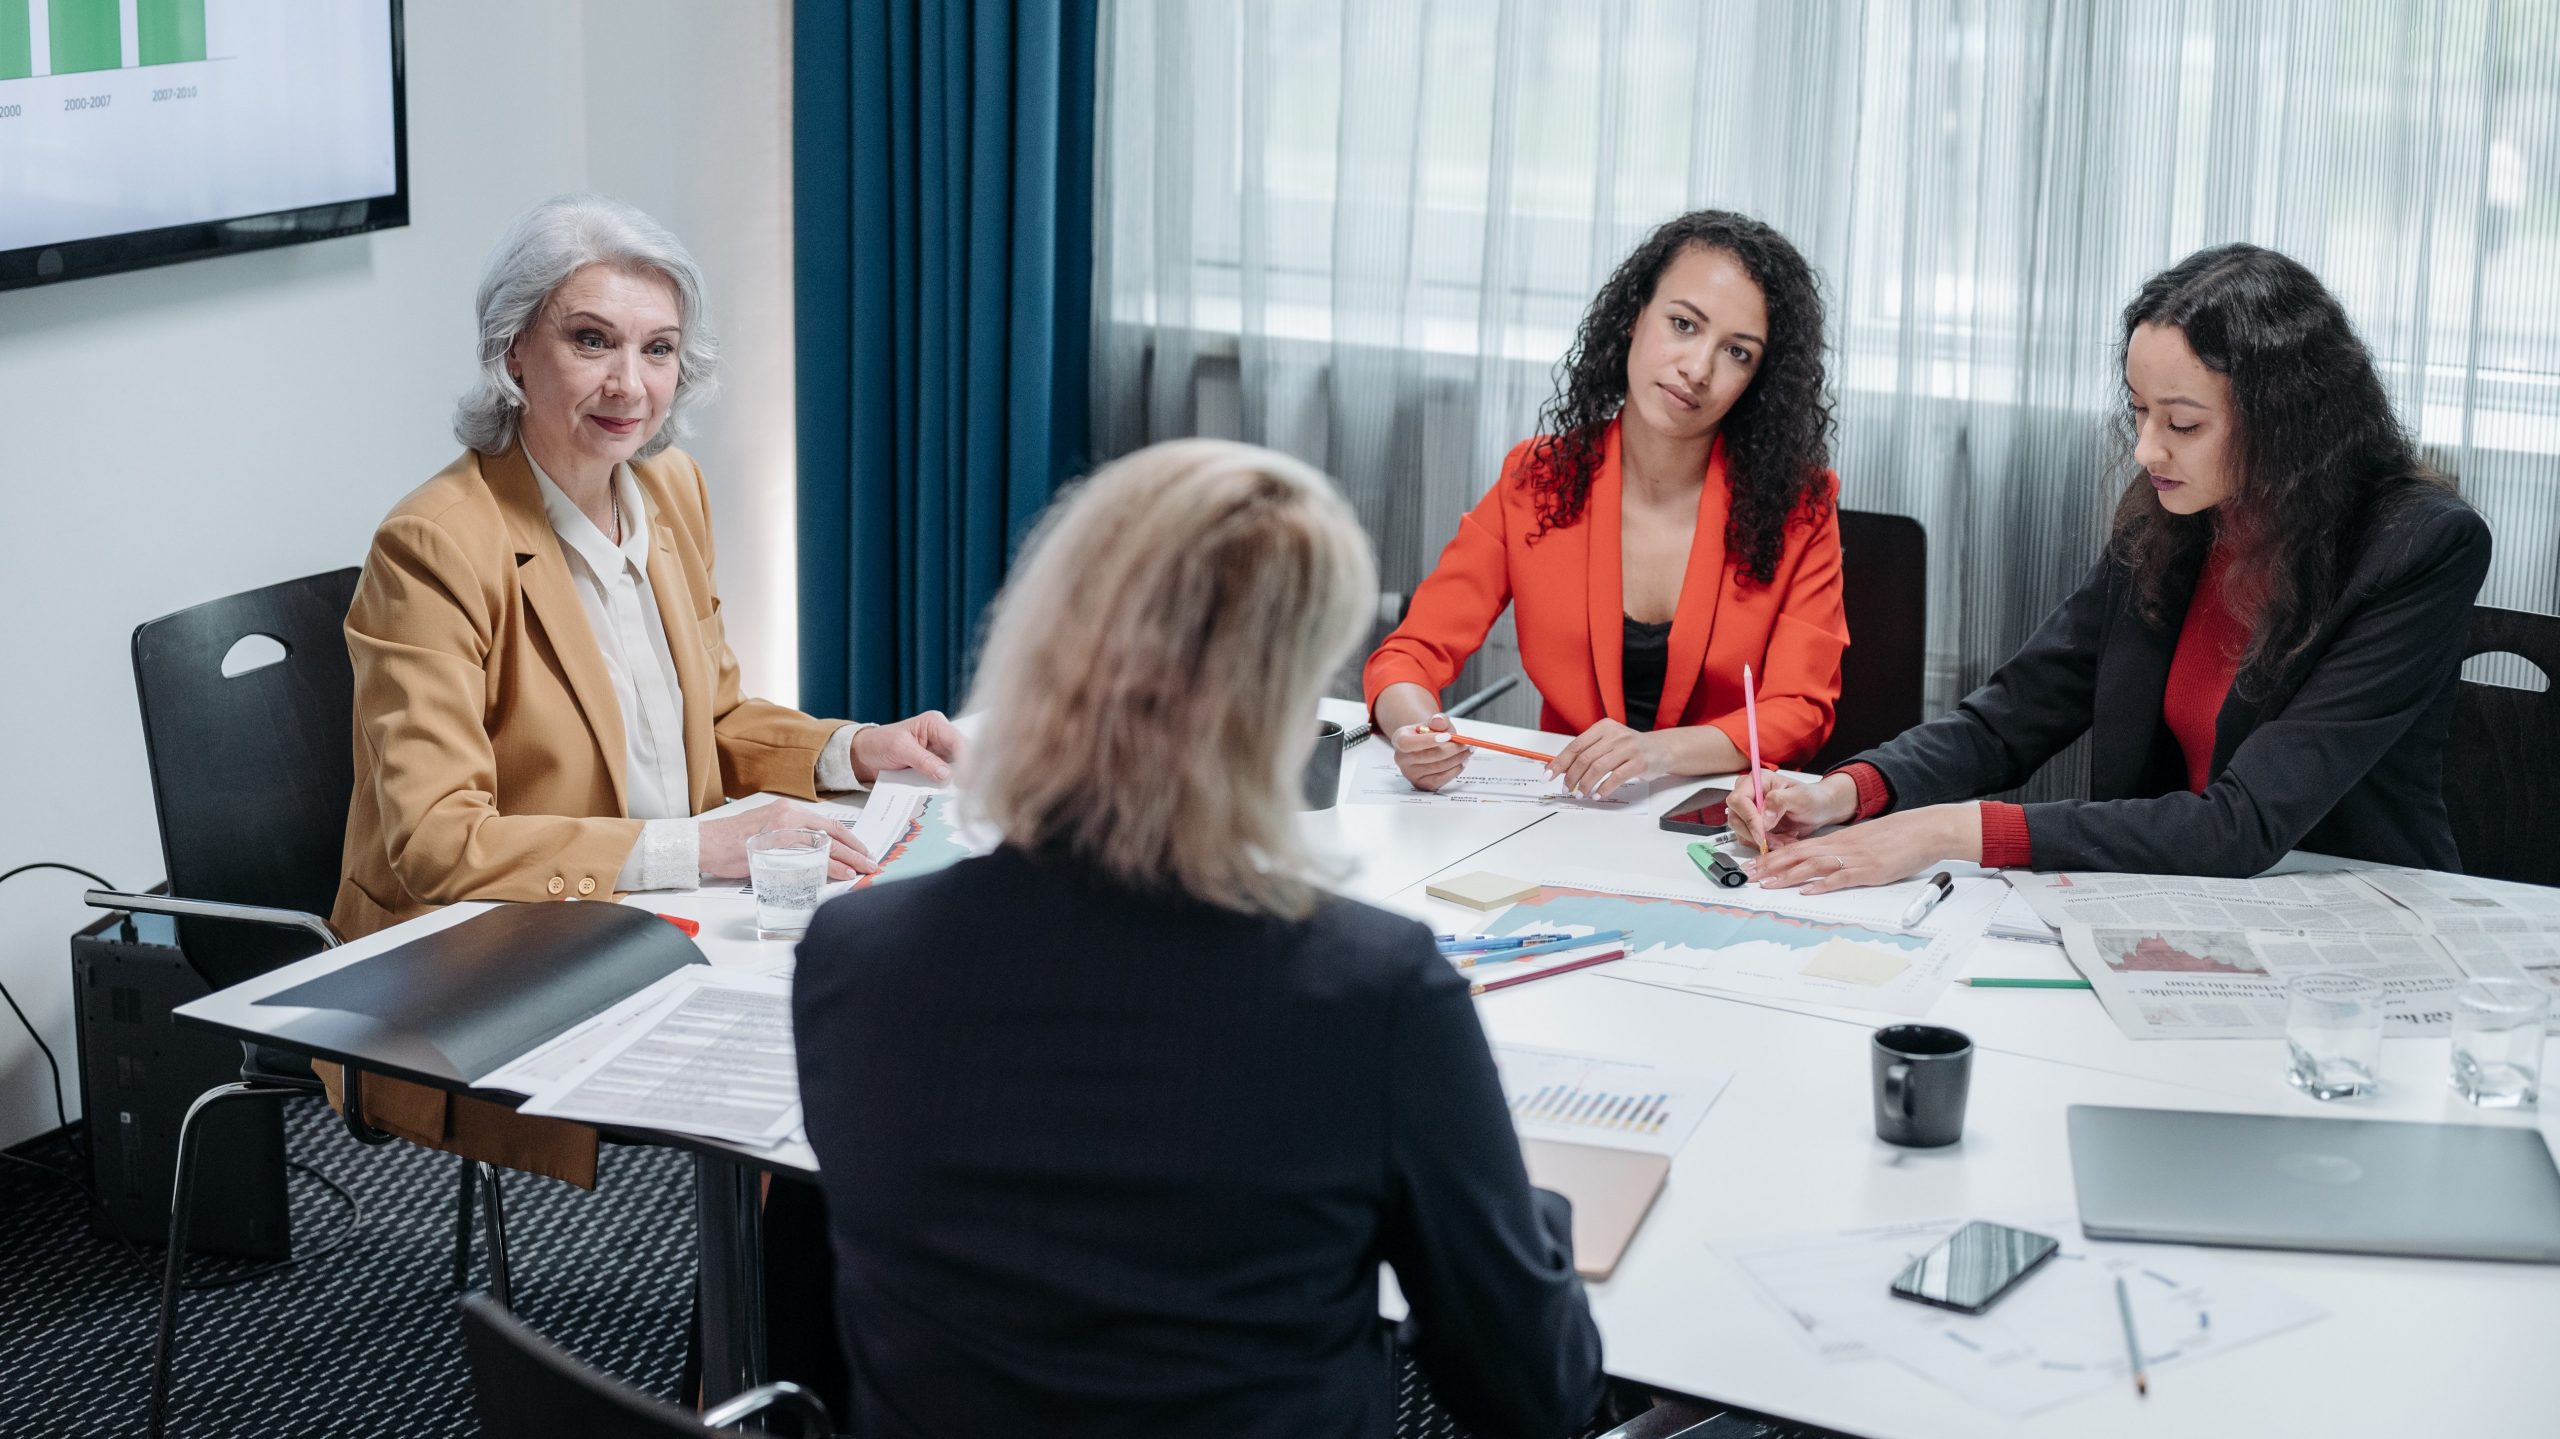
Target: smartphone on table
[(1700, 813), (1971, 1268)]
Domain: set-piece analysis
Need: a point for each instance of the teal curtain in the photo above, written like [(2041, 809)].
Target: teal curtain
[(942, 155)]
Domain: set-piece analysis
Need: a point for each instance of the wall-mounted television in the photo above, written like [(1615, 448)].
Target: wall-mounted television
[(145, 132)]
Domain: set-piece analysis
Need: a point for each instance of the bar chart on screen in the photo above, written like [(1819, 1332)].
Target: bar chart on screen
[(72, 37)]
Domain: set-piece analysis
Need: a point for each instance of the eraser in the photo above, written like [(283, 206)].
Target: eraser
[(1480, 889)]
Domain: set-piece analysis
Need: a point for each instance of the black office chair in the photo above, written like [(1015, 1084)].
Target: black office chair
[(1884, 587), (251, 773), (2498, 779), (524, 1387)]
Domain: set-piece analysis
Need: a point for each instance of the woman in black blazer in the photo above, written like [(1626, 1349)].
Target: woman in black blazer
[(2264, 658), (1118, 1122)]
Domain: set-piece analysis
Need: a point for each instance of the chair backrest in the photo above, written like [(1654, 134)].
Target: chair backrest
[(251, 773), (1884, 564), (2499, 782), (524, 1387)]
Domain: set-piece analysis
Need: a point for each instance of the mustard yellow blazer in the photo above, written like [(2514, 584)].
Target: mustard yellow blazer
[(488, 745)]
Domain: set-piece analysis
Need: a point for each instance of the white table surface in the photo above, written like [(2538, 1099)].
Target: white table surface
[(2410, 1346)]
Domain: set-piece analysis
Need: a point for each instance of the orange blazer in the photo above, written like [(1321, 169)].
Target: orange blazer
[(1570, 604)]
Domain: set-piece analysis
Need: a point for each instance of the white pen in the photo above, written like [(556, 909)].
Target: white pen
[(1939, 885)]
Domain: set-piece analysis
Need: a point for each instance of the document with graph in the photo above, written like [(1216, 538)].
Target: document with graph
[(1607, 1103), (1848, 949)]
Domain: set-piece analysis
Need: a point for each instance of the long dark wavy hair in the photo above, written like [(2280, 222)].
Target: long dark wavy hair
[(2316, 452), (1777, 437)]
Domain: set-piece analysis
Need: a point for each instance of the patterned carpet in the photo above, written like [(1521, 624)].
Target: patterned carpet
[(361, 1340), (358, 1341)]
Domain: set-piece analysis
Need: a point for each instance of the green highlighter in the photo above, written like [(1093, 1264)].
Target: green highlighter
[(2027, 983), (1717, 866)]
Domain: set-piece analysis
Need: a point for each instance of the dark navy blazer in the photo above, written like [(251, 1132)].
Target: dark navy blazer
[(1100, 1162)]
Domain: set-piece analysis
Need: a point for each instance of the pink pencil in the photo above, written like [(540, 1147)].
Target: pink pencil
[(1488, 986), (1751, 723)]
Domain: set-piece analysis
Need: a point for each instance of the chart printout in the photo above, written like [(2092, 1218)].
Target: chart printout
[(1610, 1103), (1751, 941)]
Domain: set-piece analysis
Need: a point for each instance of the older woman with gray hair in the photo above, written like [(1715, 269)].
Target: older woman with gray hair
[(1117, 1121), (545, 697)]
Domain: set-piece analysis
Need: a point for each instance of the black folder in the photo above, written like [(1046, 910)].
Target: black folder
[(448, 1007)]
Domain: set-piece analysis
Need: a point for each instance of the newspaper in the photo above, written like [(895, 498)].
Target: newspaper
[(2493, 929), (2285, 901), (2173, 957), (2159, 982)]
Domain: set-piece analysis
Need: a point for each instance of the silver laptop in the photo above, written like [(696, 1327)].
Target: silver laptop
[(2359, 1186)]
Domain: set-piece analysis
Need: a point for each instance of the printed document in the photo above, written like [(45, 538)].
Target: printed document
[(2054, 1337), (1614, 1104), (1847, 949), (1489, 778), (716, 1062)]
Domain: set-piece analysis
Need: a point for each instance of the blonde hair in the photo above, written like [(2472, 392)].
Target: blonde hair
[(1150, 680)]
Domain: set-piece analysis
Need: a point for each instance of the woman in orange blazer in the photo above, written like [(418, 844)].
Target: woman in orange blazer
[(1675, 521)]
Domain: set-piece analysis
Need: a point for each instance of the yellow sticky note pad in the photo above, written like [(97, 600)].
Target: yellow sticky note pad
[(1480, 889), (1854, 963)]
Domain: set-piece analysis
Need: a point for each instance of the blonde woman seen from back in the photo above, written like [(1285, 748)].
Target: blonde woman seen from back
[(1117, 1120)]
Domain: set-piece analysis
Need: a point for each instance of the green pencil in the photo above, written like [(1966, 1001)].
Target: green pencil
[(2027, 983)]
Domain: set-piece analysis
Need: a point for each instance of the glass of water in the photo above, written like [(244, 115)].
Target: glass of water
[(2333, 1036), (788, 868), (2497, 1041)]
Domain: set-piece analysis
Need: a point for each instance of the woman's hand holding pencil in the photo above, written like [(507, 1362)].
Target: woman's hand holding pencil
[(1425, 753)]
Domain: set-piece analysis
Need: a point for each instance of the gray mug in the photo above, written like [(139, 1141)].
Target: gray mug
[(1323, 775), (1922, 1075)]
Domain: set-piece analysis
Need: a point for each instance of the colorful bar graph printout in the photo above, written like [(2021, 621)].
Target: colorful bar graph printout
[(87, 35), (17, 41), (171, 31)]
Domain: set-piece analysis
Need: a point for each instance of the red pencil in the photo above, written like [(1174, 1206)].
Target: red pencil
[(1490, 985), (1472, 743)]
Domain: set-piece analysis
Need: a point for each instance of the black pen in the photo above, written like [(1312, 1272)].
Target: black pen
[(1939, 886)]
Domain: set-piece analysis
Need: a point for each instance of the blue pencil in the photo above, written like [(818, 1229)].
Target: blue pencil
[(1505, 956), (1473, 943)]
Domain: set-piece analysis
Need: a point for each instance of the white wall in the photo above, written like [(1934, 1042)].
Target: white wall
[(175, 435)]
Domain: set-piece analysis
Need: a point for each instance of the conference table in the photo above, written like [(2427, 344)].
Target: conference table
[(2407, 1345)]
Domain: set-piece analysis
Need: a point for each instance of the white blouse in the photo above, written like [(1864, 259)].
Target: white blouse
[(622, 609)]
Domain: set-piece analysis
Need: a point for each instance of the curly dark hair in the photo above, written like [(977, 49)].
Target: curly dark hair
[(2317, 449), (1777, 437)]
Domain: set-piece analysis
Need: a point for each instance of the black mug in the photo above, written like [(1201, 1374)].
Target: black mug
[(1922, 1075), (1323, 775)]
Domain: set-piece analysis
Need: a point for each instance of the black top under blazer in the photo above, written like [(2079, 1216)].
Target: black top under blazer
[(2344, 755), (1100, 1162)]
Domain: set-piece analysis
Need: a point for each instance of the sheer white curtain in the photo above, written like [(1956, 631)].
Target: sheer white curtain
[(1362, 231)]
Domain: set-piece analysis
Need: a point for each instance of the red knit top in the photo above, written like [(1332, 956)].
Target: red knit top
[(2201, 670)]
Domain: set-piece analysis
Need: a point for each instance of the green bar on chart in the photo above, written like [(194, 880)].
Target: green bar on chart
[(17, 41), (171, 31), (87, 35)]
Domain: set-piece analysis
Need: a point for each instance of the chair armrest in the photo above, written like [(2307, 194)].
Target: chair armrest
[(170, 904), (1483, 697), (812, 1415), (1668, 1419)]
